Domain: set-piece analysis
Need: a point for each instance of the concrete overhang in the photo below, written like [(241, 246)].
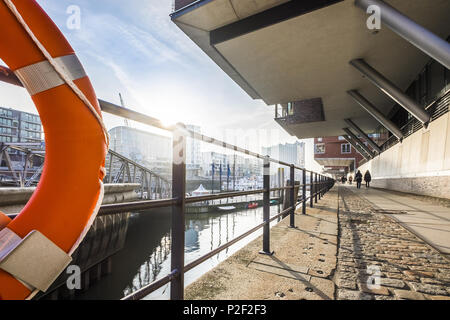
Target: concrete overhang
[(335, 162), (283, 51)]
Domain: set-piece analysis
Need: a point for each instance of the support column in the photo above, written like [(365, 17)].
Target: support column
[(374, 112), (178, 211), (315, 187), (391, 90), (311, 190), (266, 208), (359, 142), (426, 41), (304, 191), (293, 202), (363, 134), (320, 186)]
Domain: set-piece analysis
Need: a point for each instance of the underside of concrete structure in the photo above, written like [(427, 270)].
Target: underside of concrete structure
[(288, 51), (331, 71)]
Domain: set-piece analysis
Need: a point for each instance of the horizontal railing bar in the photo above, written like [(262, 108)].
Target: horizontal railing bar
[(202, 259), (281, 188), (108, 209), (223, 195), (144, 291)]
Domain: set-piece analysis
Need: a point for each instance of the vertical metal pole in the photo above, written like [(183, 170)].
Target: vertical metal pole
[(315, 188), (304, 192), (311, 190), (425, 40), (293, 202), (266, 208), (320, 186), (178, 218)]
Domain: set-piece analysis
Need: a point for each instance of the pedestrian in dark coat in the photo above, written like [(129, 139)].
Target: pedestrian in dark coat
[(367, 178), (358, 179)]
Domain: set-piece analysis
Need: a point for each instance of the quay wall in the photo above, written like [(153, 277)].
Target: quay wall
[(418, 165), (12, 200)]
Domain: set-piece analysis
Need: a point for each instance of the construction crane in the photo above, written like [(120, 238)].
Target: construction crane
[(123, 106)]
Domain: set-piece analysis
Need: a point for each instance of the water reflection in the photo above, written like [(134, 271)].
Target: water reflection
[(146, 255)]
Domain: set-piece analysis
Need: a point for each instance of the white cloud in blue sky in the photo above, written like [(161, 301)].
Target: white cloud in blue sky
[(132, 47)]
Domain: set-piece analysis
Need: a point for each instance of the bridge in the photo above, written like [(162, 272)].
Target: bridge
[(24, 172)]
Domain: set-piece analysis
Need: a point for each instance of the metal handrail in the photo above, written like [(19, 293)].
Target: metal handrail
[(146, 290), (319, 186)]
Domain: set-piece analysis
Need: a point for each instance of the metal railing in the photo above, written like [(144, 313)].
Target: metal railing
[(119, 169), (319, 185), (435, 109)]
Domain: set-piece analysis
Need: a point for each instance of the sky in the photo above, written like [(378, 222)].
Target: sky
[(132, 47)]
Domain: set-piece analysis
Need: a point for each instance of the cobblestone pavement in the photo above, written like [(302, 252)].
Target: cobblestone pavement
[(379, 259)]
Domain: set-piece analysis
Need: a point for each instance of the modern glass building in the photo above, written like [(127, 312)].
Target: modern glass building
[(19, 126)]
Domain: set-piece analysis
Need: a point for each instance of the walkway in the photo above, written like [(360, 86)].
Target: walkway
[(301, 267), (344, 248), (374, 249), (428, 221)]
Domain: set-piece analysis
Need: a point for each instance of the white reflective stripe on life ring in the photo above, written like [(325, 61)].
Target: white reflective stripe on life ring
[(41, 76)]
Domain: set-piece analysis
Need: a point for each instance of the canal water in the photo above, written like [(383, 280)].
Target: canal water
[(146, 254)]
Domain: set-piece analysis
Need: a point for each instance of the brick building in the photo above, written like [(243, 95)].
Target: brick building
[(336, 155)]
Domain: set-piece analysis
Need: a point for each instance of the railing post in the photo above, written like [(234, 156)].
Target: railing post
[(304, 192), (178, 218), (266, 208), (315, 188), (320, 186), (293, 202), (311, 190)]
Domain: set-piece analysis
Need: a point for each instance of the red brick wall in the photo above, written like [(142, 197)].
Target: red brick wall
[(333, 149), (182, 3)]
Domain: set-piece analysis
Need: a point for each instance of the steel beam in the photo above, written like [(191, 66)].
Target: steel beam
[(391, 90), (357, 148), (359, 142), (426, 41), (374, 112), (363, 134)]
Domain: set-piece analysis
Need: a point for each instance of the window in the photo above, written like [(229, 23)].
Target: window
[(319, 139), (346, 148), (319, 148), (290, 108)]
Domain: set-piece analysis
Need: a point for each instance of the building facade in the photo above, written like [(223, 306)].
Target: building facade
[(148, 149), (19, 126), (193, 148), (336, 155), (288, 152)]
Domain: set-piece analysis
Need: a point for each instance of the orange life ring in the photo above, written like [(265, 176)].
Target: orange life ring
[(70, 190)]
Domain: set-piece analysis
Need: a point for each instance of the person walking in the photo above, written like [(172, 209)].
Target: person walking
[(350, 179), (367, 178), (358, 179)]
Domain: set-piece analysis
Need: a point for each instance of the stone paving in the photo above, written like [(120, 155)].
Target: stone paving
[(379, 259)]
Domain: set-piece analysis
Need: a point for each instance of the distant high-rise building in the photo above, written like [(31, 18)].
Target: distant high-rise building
[(289, 152), (149, 149), (19, 126), (193, 148)]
